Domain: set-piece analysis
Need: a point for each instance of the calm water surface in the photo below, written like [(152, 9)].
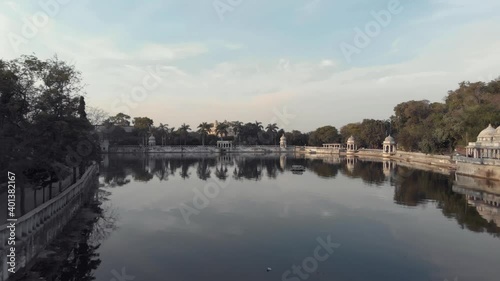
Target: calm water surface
[(232, 217)]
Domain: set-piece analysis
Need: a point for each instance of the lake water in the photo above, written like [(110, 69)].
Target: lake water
[(222, 218)]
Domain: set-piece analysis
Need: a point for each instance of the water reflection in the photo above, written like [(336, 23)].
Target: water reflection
[(412, 187), (85, 258)]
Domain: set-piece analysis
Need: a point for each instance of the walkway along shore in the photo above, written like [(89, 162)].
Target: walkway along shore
[(35, 230)]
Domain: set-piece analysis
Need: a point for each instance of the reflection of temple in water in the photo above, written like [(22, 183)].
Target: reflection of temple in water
[(484, 195), (283, 161), (332, 160), (225, 159), (388, 168), (351, 161)]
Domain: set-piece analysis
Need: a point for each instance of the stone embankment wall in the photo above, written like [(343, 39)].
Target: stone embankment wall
[(36, 229), (411, 157), (486, 171), (199, 149), (427, 159)]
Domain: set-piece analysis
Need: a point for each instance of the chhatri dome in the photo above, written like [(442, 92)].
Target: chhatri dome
[(389, 139), (351, 139), (497, 134), (487, 134)]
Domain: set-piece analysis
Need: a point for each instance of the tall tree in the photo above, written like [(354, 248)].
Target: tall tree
[(221, 129), (81, 108), (204, 128), (183, 130), (272, 129)]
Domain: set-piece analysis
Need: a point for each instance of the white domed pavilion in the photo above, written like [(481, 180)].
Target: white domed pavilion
[(152, 141), (283, 141), (487, 144), (351, 145), (389, 146)]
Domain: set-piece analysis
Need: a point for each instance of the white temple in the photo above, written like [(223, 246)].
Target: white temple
[(487, 144)]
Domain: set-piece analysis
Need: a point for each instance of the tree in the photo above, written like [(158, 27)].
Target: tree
[(272, 129), (183, 131), (322, 135), (162, 128), (96, 116), (221, 129), (43, 118), (120, 119), (81, 108), (143, 124), (237, 127), (259, 125), (204, 128)]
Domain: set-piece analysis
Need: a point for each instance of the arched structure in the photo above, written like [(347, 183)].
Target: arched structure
[(351, 145), (389, 146), (225, 144)]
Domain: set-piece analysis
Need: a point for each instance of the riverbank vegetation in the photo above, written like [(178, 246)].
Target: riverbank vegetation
[(44, 132)]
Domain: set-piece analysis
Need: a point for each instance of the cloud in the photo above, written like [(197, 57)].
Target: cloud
[(199, 84)]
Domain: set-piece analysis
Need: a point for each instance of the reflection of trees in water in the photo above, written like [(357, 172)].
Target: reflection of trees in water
[(322, 169), (185, 165), (221, 172), (84, 258), (370, 172), (203, 170), (415, 187), (273, 167), (412, 187), (248, 168)]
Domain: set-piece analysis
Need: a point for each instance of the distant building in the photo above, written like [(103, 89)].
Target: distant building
[(389, 146), (333, 145), (487, 144), (230, 129), (152, 141), (283, 141), (351, 145)]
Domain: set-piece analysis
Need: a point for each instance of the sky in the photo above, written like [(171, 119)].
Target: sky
[(299, 63)]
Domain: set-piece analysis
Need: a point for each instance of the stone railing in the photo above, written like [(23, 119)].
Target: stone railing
[(37, 228)]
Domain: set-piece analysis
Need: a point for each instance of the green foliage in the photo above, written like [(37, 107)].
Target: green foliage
[(322, 135), (440, 127), (143, 124), (119, 119), (43, 118)]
